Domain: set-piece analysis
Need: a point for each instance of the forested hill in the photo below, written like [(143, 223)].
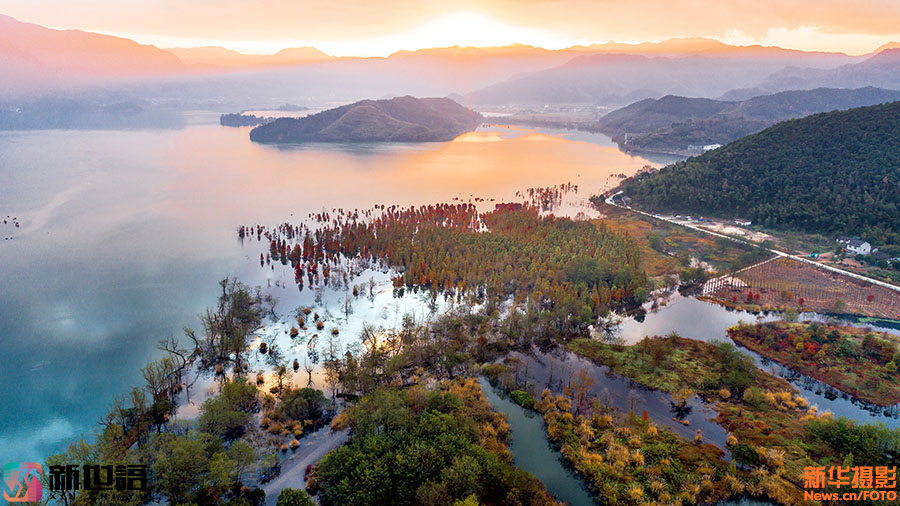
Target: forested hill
[(401, 119), (835, 172), (672, 123)]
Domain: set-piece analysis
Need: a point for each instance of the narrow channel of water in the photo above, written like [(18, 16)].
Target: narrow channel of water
[(533, 452), (696, 319), (557, 367)]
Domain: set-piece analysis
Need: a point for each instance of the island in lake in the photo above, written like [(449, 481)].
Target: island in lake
[(240, 119), (400, 119)]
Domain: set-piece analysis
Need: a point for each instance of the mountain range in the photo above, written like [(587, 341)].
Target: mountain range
[(671, 123), (881, 70), (220, 57), (622, 78), (39, 61)]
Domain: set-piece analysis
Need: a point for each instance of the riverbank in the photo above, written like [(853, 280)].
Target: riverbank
[(770, 426), (860, 363), (629, 458)]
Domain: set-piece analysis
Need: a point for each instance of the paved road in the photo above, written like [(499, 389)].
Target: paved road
[(312, 449), (853, 275)]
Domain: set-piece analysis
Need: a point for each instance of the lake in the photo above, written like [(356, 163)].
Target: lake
[(125, 233)]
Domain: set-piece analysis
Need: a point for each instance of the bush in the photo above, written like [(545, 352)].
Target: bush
[(294, 497), (227, 414), (745, 455), (240, 396), (694, 276), (443, 402), (257, 497), (522, 398), (304, 404), (754, 397), (867, 443)]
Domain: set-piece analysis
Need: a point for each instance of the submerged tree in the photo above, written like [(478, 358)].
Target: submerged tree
[(229, 328)]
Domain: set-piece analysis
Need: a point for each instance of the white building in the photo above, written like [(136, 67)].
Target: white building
[(703, 148), (855, 246)]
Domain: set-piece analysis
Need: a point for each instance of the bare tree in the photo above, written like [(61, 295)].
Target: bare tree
[(332, 364), (309, 370), (182, 358), (230, 326)]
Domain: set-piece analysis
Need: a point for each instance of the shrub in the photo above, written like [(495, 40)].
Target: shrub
[(303, 404), (294, 497), (522, 398), (754, 397)]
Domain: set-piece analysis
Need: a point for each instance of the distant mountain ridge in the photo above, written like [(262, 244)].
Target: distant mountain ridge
[(881, 70), (40, 62), (401, 119), (672, 123), (215, 56), (836, 172), (78, 52), (623, 73)]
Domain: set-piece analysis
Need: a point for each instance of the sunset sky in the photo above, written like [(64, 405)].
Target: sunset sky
[(378, 28)]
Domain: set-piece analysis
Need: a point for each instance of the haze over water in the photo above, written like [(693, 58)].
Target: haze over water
[(124, 235)]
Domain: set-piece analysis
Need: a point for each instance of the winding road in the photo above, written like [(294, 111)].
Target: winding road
[(609, 200)]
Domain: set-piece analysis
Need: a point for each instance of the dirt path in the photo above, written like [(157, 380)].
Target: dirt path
[(312, 449)]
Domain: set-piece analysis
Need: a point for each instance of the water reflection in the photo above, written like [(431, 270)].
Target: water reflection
[(532, 451), (696, 319), (556, 368), (125, 234)]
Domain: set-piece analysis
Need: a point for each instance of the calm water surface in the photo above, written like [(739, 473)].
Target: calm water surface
[(124, 235), (533, 452)]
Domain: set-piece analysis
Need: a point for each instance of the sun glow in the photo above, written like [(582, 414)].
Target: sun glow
[(462, 29), (457, 29)]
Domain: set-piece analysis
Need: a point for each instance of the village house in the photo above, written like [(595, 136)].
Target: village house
[(855, 246), (703, 148)]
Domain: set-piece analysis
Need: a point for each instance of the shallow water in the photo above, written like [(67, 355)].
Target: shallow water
[(533, 452), (556, 368), (125, 234), (705, 321)]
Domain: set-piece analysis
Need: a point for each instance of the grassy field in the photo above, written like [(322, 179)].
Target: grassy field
[(666, 248)]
